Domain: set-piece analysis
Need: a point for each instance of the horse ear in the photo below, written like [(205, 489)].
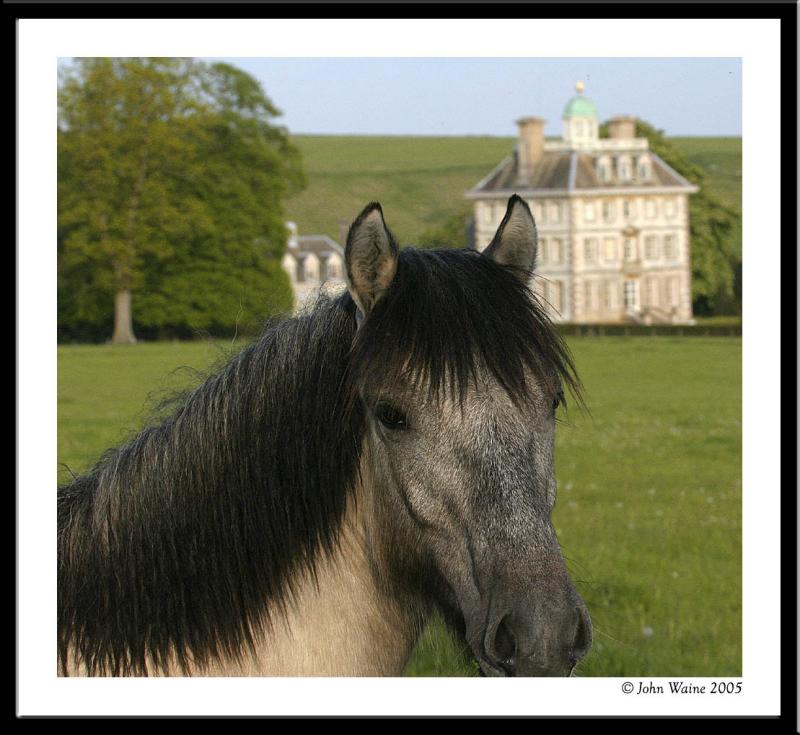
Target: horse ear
[(370, 258), (515, 242)]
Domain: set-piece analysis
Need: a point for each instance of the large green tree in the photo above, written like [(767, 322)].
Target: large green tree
[(715, 230), (172, 178)]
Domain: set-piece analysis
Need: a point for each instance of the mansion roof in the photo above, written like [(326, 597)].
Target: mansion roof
[(319, 245), (559, 172)]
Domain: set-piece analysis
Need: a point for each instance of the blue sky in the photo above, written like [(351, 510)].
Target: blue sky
[(486, 96)]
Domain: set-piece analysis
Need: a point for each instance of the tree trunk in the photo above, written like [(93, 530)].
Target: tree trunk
[(123, 319)]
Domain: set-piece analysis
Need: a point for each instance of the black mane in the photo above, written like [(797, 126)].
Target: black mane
[(176, 546)]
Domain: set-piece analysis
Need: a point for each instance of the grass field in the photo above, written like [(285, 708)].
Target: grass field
[(649, 507), (420, 181)]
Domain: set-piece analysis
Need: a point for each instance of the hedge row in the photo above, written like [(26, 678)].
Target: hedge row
[(653, 330)]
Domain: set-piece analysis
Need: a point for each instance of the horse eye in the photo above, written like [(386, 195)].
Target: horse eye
[(391, 417), (558, 400)]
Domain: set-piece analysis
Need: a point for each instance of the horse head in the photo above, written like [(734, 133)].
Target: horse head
[(460, 376)]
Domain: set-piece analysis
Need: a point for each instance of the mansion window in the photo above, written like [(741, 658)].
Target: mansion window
[(556, 251), (631, 294), (588, 212), (650, 208), (610, 295), (630, 249), (624, 169), (673, 286), (651, 247), (555, 212), (670, 210), (555, 295), (301, 270), (590, 296), (644, 170), (670, 247), (628, 209), (609, 249), (608, 211), (652, 292), (604, 169), (590, 249)]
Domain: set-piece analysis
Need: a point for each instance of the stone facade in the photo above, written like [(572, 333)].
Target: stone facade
[(314, 263), (612, 219)]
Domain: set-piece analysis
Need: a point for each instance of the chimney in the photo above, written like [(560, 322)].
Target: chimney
[(622, 127), (292, 227), (531, 145)]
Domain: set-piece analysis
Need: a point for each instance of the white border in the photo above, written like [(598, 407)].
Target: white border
[(41, 43)]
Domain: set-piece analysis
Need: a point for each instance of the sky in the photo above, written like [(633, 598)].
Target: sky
[(453, 96)]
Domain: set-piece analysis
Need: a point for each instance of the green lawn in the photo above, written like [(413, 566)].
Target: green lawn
[(649, 507)]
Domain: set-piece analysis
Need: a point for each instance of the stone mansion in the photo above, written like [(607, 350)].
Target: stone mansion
[(312, 262), (612, 218)]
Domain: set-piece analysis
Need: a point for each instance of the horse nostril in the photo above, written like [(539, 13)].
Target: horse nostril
[(502, 648), (509, 665), (583, 636)]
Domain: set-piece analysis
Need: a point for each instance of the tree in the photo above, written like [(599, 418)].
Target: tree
[(171, 181), (715, 230)]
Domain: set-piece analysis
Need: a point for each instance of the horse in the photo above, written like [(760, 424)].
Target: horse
[(305, 511)]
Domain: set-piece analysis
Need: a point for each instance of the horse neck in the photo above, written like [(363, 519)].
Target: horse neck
[(338, 621)]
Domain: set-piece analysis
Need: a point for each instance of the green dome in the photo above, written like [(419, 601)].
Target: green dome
[(579, 106)]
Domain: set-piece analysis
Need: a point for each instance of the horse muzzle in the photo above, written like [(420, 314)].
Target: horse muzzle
[(535, 639)]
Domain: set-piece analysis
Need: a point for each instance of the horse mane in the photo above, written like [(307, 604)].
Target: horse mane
[(181, 545), (172, 545)]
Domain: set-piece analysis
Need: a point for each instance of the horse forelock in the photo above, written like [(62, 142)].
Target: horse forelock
[(450, 315)]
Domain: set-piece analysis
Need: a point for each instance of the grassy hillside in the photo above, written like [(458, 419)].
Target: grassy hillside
[(721, 158), (421, 181), (649, 501)]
